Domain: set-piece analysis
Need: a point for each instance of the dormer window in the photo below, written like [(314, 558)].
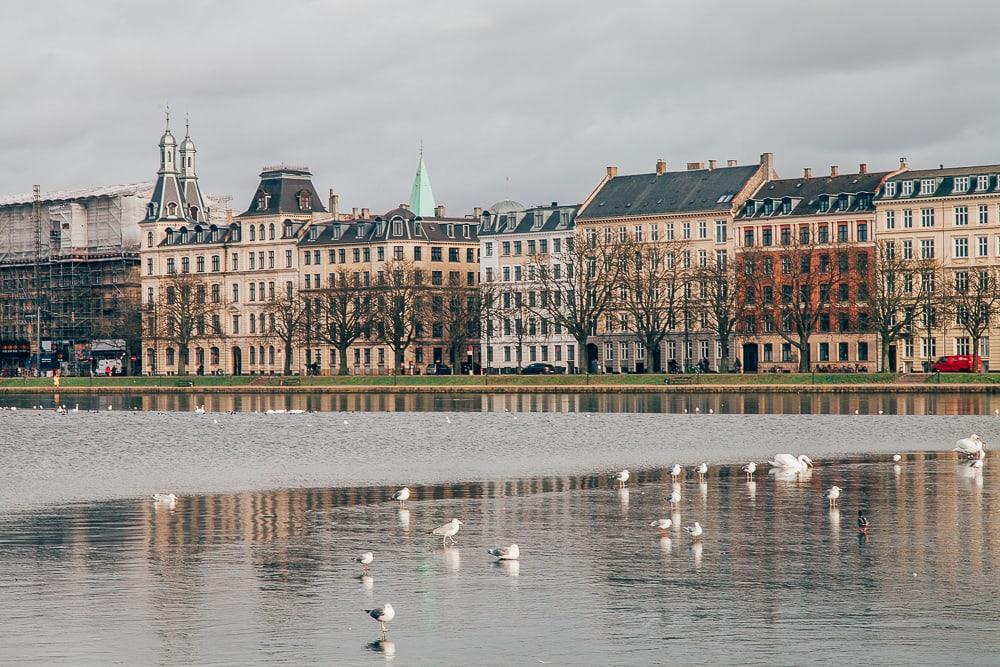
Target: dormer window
[(751, 208), (768, 207), (213, 234), (961, 184), (450, 230), (184, 235), (193, 212), (234, 233), (172, 210), (890, 189), (982, 182), (907, 188), (465, 231), (287, 230), (312, 233), (170, 235), (786, 206), (305, 200), (336, 231), (927, 186), (418, 228), (263, 200), (824, 203), (843, 202), (199, 234), (862, 201), (397, 227)]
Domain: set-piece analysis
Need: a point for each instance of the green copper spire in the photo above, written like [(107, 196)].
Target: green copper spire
[(422, 197)]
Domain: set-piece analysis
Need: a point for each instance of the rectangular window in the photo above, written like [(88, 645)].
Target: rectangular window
[(702, 230), (609, 350), (907, 188), (961, 184), (842, 352), (489, 249), (927, 186), (824, 352), (961, 215), (926, 217), (862, 231), (890, 219), (236, 293), (982, 182), (984, 214), (907, 249), (453, 253), (517, 248), (928, 347), (288, 258), (982, 246), (436, 254), (962, 345), (236, 324), (908, 218), (721, 231), (654, 235), (890, 189), (961, 247), (669, 228), (506, 248), (862, 351), (748, 237), (686, 230), (927, 248)]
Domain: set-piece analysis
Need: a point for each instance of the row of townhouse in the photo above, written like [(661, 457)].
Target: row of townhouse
[(211, 291), (288, 243)]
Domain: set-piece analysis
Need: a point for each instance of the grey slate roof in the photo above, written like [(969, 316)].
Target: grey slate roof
[(381, 229), (671, 192), (805, 195), (283, 185), (224, 234), (945, 182), (536, 220)]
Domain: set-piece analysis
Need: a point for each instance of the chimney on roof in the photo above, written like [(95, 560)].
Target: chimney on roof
[(731, 163), (767, 161), (555, 204), (354, 213), (365, 213), (439, 211), (612, 172), (661, 167), (903, 164), (477, 212), (807, 172), (693, 166), (863, 168), (334, 204), (834, 170), (712, 163)]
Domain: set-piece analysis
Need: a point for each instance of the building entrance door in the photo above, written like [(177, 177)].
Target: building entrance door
[(237, 361), (750, 357)]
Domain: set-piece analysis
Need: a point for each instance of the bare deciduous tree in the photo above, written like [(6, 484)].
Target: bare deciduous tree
[(975, 296), (892, 299), (719, 282), (401, 307), (345, 315), (182, 313), (287, 323)]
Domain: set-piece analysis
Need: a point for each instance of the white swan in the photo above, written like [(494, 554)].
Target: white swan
[(505, 553), (788, 461), (970, 446)]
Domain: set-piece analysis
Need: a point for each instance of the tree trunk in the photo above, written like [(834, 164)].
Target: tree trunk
[(397, 355), (804, 363), (884, 354), (582, 361), (724, 365), (181, 359), (343, 370), (288, 358)]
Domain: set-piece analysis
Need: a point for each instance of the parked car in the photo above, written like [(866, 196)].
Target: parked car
[(538, 368), (438, 369), (957, 363), (473, 366)]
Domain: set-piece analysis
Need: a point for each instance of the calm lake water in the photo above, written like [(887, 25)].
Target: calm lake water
[(253, 564)]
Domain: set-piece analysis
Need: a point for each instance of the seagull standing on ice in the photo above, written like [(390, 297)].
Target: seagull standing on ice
[(702, 471), (402, 495), (750, 469), (505, 553), (448, 531), (832, 495), (622, 478), (365, 559), (695, 531), (663, 525), (896, 458), (383, 615), (200, 410), (675, 498), (676, 471)]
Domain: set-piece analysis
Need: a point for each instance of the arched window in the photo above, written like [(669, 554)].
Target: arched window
[(199, 356), (262, 200), (214, 356), (170, 356), (194, 211), (253, 355), (261, 232), (172, 209), (260, 351), (170, 235), (149, 239), (150, 211), (234, 232), (270, 355), (305, 200), (184, 235), (253, 323), (287, 229), (253, 233), (150, 359), (270, 230)]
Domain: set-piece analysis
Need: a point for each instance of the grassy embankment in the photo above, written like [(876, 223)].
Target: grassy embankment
[(505, 380)]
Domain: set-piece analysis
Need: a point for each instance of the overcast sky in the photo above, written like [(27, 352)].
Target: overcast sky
[(543, 93)]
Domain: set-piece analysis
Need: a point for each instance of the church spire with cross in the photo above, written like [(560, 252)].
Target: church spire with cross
[(421, 196)]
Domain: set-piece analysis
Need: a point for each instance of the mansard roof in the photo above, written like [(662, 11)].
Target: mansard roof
[(381, 228), (285, 190), (944, 182), (672, 192), (535, 220), (805, 196)]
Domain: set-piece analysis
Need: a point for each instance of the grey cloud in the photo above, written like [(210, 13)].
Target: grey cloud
[(543, 93)]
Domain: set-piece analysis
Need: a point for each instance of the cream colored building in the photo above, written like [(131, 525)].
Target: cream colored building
[(697, 207), (952, 216), (234, 267)]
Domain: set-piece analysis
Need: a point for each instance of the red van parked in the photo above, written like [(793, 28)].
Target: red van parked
[(959, 363)]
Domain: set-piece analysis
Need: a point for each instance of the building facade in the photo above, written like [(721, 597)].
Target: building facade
[(818, 231), (209, 289), (694, 211), (512, 238), (950, 219)]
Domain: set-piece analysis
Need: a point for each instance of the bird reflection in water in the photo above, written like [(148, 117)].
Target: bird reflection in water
[(623, 498), (450, 556), (696, 549), (367, 583), (512, 568), (404, 519), (384, 646), (752, 491), (834, 515), (703, 488), (666, 545)]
